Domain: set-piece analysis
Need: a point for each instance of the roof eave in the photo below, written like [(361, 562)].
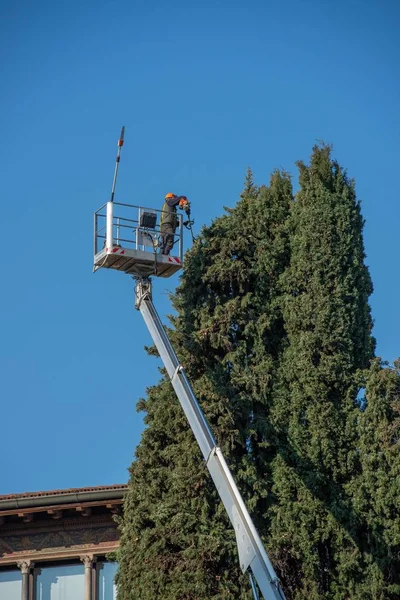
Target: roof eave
[(63, 498)]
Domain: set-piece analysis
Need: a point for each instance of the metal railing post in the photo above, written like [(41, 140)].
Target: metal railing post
[(95, 225), (109, 230)]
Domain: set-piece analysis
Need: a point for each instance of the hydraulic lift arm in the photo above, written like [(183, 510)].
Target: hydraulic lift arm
[(252, 555)]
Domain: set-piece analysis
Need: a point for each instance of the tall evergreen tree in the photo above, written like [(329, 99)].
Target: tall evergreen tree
[(273, 326), (328, 325), (177, 542)]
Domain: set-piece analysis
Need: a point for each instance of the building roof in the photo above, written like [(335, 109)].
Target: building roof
[(99, 488), (67, 496), (56, 525)]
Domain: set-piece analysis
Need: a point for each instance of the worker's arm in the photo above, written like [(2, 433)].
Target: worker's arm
[(172, 202), (179, 201)]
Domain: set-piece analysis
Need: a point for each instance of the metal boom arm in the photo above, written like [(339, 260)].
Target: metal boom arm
[(252, 555)]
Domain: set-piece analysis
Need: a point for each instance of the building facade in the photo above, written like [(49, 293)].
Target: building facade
[(56, 545)]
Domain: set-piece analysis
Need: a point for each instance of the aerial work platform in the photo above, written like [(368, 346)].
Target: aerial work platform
[(128, 238)]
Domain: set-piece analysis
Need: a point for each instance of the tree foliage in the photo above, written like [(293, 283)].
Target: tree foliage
[(327, 320), (375, 487), (273, 327), (227, 332)]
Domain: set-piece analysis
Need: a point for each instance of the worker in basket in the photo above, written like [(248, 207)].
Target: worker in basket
[(169, 220)]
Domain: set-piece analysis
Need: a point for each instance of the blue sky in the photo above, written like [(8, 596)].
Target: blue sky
[(204, 91)]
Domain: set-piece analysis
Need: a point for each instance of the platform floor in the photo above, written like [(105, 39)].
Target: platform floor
[(137, 262)]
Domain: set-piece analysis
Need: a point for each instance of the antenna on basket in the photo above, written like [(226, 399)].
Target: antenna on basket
[(120, 144)]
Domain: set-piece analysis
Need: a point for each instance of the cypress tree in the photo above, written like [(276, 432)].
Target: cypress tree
[(177, 542), (272, 326), (327, 319)]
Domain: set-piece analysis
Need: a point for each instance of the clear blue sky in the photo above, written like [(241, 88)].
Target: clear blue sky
[(204, 90)]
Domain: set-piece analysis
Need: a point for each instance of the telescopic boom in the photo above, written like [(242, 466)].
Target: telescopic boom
[(252, 555)]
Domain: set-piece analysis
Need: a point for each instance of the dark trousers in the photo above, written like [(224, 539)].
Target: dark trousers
[(167, 234)]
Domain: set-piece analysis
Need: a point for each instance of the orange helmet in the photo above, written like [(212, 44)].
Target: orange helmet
[(169, 196)]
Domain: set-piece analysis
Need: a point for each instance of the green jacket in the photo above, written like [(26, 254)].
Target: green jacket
[(168, 215)]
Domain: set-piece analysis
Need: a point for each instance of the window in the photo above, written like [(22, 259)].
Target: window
[(63, 582), (10, 585), (106, 571)]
